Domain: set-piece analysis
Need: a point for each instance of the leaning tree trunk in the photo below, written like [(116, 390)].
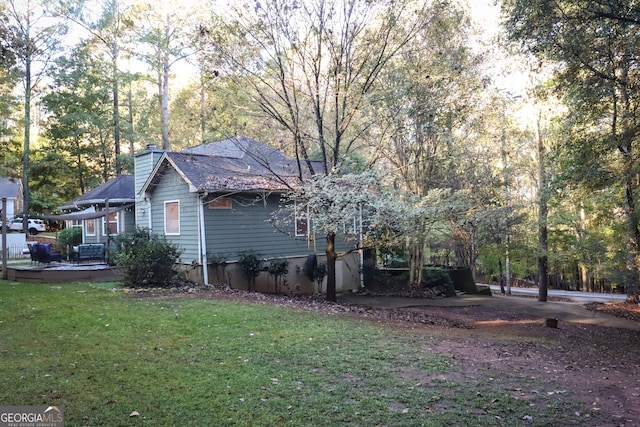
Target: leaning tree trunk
[(331, 267)]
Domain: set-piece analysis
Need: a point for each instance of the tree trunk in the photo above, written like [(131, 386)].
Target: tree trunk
[(416, 260), (105, 155), (501, 272), (116, 111), (132, 137), (80, 167), (473, 254), (26, 194), (165, 94), (543, 212), (585, 278), (625, 146), (203, 106), (631, 256), (331, 267)]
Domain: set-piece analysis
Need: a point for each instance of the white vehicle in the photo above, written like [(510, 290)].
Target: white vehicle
[(35, 226)]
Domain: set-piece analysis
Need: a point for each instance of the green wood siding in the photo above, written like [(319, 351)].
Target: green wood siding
[(143, 165), (126, 221), (95, 237), (171, 187), (245, 227), (228, 231)]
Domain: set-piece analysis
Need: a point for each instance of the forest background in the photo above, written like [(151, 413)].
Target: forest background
[(505, 143)]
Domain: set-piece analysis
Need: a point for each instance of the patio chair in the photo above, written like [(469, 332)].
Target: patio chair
[(32, 252), (45, 255)]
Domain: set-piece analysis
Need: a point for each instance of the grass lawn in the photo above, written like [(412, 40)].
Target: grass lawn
[(104, 354)]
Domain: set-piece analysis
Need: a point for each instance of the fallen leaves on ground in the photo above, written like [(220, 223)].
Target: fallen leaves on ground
[(625, 310)]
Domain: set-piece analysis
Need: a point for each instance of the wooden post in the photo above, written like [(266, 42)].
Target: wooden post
[(106, 228)]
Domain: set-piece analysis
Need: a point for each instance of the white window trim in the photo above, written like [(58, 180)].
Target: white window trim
[(86, 229), (225, 203), (166, 202), (117, 222), (306, 217), (350, 229)]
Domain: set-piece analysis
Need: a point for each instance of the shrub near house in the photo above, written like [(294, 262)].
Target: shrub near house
[(149, 259)]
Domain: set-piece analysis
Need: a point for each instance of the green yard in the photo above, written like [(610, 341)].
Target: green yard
[(105, 355)]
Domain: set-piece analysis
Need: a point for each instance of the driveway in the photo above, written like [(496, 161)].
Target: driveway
[(574, 312), (575, 296)]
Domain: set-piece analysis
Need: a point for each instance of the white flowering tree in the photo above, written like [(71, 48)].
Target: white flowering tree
[(401, 219), (390, 218), (330, 201)]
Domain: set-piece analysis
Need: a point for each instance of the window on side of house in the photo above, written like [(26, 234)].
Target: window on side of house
[(222, 203), (302, 220), (350, 227), (172, 217), (111, 224), (90, 227)]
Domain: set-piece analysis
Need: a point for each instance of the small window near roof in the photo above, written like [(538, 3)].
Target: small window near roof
[(223, 203), (172, 218)]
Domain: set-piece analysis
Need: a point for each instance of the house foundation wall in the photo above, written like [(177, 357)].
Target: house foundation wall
[(347, 276)]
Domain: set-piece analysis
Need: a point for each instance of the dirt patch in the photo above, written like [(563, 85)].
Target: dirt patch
[(597, 367)]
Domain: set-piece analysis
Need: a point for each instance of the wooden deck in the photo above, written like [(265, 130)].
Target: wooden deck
[(61, 273)]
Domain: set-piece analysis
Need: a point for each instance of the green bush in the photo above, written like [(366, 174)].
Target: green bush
[(69, 237), (278, 268), (435, 276), (319, 275), (149, 259), (250, 263)]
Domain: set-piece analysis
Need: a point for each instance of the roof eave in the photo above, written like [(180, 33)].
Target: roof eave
[(96, 202), (151, 178)]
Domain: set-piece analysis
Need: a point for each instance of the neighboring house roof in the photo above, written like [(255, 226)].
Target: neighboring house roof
[(88, 213), (119, 190), (10, 188), (233, 164)]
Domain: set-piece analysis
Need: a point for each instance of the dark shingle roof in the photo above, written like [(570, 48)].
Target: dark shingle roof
[(238, 147), (213, 173), (120, 189), (10, 188), (236, 164)]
